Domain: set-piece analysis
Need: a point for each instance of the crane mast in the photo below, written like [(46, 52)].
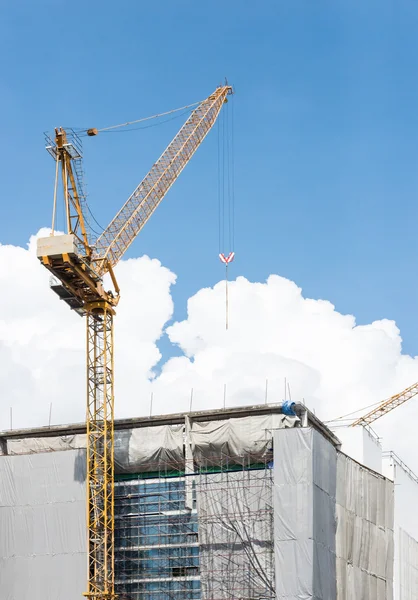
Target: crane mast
[(78, 267)]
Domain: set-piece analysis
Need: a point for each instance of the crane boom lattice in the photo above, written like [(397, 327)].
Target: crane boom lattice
[(387, 406), (120, 233)]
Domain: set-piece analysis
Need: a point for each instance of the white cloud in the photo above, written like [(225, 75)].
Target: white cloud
[(42, 342), (274, 333)]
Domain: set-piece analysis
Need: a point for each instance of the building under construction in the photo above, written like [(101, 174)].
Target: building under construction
[(244, 503)]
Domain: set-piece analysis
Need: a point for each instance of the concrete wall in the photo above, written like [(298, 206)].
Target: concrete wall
[(362, 445)]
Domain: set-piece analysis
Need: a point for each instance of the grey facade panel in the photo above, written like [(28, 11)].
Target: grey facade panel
[(333, 523), (364, 532), (304, 515), (43, 526)]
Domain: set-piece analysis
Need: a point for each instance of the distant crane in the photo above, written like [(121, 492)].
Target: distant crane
[(78, 266), (387, 405)]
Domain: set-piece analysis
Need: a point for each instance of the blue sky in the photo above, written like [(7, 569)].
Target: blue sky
[(326, 135)]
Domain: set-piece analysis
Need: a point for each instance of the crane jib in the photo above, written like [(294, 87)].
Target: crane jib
[(77, 267)]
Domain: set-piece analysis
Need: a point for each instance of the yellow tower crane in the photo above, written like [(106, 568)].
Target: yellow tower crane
[(78, 267), (387, 405)]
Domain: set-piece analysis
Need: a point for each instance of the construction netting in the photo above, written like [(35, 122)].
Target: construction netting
[(235, 518)]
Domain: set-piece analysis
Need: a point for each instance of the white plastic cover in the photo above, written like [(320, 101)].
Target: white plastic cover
[(408, 565), (405, 580), (149, 448), (136, 450), (248, 437), (45, 444), (304, 515), (42, 526), (333, 523)]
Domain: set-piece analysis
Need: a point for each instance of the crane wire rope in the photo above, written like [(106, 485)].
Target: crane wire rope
[(226, 202), (158, 115), (82, 131), (233, 174), (149, 126)]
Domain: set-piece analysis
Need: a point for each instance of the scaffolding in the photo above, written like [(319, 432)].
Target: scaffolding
[(205, 532)]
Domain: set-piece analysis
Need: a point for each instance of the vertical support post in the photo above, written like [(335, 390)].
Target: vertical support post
[(100, 452)]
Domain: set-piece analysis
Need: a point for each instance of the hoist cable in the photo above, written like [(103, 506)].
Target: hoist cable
[(233, 176), (219, 185)]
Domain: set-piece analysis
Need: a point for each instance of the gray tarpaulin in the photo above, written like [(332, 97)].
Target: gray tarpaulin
[(46, 444), (408, 564), (333, 522), (43, 526), (236, 438), (304, 515), (149, 448), (364, 533), (136, 450)]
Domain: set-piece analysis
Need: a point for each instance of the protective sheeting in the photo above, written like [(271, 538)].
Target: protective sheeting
[(242, 440), (331, 519), (304, 515), (42, 526), (136, 450), (146, 449), (364, 533), (405, 582), (408, 566), (45, 444), (235, 515), (149, 449)]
